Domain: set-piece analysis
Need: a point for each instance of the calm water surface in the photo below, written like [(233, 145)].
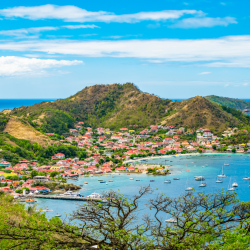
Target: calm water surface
[(185, 167)]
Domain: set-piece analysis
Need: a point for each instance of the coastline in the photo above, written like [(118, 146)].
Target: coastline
[(177, 155)]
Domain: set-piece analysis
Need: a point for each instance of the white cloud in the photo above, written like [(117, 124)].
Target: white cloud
[(226, 85), (204, 73), (206, 22), (23, 33), (13, 65), (72, 27), (245, 84), (71, 13), (232, 51)]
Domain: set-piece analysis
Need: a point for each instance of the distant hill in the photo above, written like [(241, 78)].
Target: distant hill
[(199, 112), (112, 106), (119, 105), (229, 102)]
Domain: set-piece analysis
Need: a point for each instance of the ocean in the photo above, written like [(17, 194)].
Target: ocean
[(16, 103), (185, 167)]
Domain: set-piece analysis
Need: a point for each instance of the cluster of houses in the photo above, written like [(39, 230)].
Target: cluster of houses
[(128, 142)]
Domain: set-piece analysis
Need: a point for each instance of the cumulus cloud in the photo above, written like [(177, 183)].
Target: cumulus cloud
[(13, 65), (232, 51), (206, 22), (71, 13), (205, 73)]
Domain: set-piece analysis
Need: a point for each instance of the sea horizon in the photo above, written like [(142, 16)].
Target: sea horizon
[(17, 103)]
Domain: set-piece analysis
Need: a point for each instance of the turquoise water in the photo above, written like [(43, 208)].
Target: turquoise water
[(16, 103), (185, 167)]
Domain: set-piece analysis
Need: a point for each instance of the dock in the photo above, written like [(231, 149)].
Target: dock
[(55, 197)]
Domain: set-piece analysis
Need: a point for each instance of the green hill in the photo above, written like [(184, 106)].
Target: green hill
[(119, 105), (112, 106), (200, 112), (229, 102)]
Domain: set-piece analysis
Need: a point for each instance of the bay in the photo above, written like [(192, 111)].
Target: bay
[(184, 167)]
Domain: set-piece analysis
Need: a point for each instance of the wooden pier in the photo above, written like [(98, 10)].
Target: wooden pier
[(58, 197)]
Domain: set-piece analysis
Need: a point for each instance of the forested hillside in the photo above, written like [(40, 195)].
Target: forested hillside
[(112, 106), (229, 102)]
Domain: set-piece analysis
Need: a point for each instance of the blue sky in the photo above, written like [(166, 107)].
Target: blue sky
[(174, 49)]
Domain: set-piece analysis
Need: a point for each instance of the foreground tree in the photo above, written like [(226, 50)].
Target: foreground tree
[(199, 221)]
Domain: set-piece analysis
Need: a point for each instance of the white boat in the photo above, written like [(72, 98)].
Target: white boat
[(222, 175), (48, 210), (219, 181), (69, 193), (226, 164), (246, 178), (203, 184), (229, 186), (110, 180), (172, 220), (189, 189), (94, 196), (58, 215), (167, 181), (199, 178), (131, 178), (235, 184)]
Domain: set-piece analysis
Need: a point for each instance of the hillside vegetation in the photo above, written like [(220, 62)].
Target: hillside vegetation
[(199, 112), (110, 106), (119, 105), (229, 102)]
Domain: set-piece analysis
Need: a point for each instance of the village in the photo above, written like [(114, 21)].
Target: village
[(112, 152)]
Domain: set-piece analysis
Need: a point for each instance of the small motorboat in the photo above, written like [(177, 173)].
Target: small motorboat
[(176, 179), (58, 215), (152, 180), (30, 201), (226, 164), (81, 185), (110, 180), (48, 210), (85, 182), (131, 178), (199, 178), (137, 180), (246, 179), (167, 181), (102, 181), (172, 220)]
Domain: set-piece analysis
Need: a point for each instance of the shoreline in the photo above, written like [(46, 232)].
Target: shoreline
[(178, 155)]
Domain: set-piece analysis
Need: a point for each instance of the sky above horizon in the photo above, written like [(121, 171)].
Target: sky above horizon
[(173, 49)]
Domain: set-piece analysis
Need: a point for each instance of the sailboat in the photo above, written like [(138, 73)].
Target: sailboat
[(167, 181), (188, 188), (229, 186), (202, 184), (219, 181), (246, 178), (222, 175)]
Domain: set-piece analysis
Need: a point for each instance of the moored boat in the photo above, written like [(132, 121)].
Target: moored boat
[(30, 201)]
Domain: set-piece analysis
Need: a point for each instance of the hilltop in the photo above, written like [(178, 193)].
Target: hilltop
[(112, 106), (119, 105), (199, 112), (229, 102)]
